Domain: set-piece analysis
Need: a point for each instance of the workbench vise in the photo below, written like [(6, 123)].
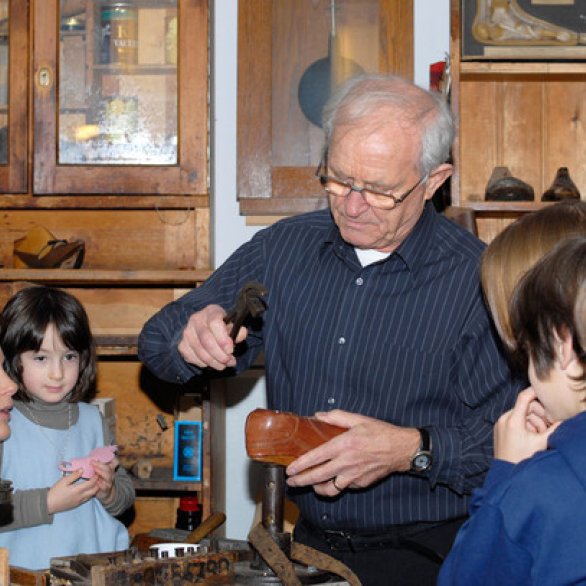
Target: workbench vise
[(276, 439)]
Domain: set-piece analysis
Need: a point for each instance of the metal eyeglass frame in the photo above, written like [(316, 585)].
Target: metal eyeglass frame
[(323, 179)]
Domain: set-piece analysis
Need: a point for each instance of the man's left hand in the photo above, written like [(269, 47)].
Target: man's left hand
[(371, 449)]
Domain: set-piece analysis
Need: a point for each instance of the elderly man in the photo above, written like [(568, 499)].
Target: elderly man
[(376, 323)]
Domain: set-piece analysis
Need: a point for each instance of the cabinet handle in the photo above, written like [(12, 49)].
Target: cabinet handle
[(45, 77)]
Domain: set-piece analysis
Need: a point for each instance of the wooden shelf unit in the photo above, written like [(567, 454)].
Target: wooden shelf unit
[(529, 116)]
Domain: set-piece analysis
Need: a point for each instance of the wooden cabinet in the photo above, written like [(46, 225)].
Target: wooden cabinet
[(279, 148), (114, 152), (13, 96), (135, 128), (528, 116)]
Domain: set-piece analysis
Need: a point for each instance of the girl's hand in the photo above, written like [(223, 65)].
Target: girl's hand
[(522, 431), (105, 477), (68, 494)]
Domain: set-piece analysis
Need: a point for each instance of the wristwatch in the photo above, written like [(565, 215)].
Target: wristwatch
[(423, 458)]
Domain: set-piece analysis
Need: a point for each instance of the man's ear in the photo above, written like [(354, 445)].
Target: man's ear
[(436, 179)]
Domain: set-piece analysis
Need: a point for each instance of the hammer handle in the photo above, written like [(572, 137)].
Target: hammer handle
[(203, 529)]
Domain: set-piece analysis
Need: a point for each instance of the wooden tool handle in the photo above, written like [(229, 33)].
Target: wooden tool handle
[(203, 529)]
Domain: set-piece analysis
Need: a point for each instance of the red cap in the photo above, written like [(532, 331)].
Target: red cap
[(189, 503)]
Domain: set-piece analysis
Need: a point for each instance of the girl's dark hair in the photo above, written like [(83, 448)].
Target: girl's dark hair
[(545, 301), (25, 319)]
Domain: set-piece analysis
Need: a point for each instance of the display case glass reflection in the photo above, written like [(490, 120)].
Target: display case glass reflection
[(118, 87), (4, 54)]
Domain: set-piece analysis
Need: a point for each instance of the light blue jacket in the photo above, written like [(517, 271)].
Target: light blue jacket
[(30, 460)]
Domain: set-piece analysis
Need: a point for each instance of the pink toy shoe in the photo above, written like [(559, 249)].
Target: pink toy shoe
[(104, 454)]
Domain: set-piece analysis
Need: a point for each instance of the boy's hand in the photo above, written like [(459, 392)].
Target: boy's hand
[(104, 473), (522, 431), (68, 494)]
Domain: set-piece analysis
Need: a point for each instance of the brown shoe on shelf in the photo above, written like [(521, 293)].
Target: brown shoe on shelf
[(502, 186), (562, 187), (39, 249), (279, 437)]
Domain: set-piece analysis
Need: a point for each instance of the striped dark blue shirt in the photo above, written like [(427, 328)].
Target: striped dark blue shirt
[(407, 340)]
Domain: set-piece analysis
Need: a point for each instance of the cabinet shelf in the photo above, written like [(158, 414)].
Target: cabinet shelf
[(504, 207), (135, 69), (105, 277), (161, 480), (522, 67)]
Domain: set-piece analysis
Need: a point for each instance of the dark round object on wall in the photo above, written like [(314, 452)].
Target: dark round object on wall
[(315, 85)]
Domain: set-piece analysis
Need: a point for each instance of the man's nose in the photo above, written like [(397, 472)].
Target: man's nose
[(355, 202)]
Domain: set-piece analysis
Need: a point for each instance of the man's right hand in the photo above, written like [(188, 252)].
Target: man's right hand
[(206, 339)]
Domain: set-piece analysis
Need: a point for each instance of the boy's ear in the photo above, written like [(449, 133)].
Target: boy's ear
[(565, 349)]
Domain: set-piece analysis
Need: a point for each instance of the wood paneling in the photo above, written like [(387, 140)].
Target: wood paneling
[(119, 239), (531, 124)]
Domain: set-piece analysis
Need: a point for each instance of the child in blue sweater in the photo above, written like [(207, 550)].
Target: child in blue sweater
[(528, 522)]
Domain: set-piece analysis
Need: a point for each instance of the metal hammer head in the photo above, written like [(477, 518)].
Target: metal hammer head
[(249, 303)]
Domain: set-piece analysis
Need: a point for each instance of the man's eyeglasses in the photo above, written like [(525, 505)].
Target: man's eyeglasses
[(384, 200)]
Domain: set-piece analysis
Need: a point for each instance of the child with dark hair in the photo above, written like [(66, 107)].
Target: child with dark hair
[(49, 351), (528, 522)]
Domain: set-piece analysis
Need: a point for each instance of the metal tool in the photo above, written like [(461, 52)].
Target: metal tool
[(250, 303)]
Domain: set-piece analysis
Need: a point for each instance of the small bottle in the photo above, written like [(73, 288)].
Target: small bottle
[(188, 513), (171, 41)]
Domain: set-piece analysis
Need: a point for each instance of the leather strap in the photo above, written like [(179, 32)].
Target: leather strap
[(276, 559)]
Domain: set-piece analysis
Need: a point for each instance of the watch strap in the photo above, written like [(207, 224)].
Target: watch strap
[(425, 439)]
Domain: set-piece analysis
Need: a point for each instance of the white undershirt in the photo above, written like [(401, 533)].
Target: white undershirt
[(367, 257)]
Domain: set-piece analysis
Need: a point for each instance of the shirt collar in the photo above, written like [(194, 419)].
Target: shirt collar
[(415, 248), (411, 251)]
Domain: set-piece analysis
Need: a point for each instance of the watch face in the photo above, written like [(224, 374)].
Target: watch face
[(422, 461)]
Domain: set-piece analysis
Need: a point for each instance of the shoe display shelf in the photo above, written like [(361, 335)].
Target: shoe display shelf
[(528, 115)]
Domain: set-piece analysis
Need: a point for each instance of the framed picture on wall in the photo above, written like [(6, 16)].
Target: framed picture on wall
[(523, 29)]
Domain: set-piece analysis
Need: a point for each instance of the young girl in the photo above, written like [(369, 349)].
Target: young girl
[(50, 352), (528, 522)]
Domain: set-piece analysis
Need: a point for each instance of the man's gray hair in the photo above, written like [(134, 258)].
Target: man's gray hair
[(363, 95)]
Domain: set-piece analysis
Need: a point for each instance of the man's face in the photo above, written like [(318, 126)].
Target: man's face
[(384, 157)]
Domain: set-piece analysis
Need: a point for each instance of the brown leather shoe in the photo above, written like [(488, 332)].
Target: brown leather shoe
[(39, 249), (502, 186), (562, 187), (279, 437)]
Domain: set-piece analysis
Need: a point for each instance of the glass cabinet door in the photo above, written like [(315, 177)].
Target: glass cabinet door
[(280, 98), (13, 96), (122, 96)]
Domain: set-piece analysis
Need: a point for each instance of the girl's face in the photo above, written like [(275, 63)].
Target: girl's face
[(50, 373), (7, 389)]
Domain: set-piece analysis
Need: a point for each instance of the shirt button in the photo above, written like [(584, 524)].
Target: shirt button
[(324, 517), (341, 340), (331, 400), (359, 281)]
